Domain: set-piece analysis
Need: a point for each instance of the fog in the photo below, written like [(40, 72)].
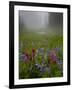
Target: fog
[(35, 20)]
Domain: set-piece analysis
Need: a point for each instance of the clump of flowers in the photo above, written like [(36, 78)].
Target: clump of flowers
[(52, 56), (42, 64)]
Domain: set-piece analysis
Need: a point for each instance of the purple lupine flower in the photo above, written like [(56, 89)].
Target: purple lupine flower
[(59, 63), (40, 51), (57, 49), (22, 57), (25, 57), (38, 66)]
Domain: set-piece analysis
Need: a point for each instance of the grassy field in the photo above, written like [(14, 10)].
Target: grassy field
[(40, 54)]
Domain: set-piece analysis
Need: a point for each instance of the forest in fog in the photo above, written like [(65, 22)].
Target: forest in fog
[(38, 20)]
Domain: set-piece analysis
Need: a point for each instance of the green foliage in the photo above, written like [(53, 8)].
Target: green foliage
[(47, 41), (55, 72)]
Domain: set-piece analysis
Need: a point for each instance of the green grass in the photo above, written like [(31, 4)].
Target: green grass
[(47, 41)]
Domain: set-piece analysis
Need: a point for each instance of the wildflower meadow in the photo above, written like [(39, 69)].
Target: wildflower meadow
[(40, 45), (40, 56)]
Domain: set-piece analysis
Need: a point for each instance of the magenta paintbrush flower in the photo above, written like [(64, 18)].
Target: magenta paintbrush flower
[(52, 56), (33, 53)]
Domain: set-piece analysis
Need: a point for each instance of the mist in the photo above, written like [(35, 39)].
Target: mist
[(40, 21)]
